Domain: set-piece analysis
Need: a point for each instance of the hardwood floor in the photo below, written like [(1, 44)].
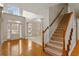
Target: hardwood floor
[(21, 47), (76, 50), (24, 47)]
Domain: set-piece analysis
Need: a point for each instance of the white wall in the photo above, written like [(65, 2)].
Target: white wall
[(5, 18), (74, 7)]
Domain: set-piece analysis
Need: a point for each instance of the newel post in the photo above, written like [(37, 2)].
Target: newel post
[(43, 40)]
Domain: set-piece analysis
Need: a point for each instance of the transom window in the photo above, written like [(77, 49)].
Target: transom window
[(14, 10)]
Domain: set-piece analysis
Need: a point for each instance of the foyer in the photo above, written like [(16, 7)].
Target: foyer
[(43, 29)]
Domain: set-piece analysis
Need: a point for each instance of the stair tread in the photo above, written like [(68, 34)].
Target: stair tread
[(59, 30), (60, 42), (58, 34), (54, 46), (53, 51), (57, 38), (61, 26)]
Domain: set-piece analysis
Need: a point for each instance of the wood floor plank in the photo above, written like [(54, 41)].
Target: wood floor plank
[(76, 50)]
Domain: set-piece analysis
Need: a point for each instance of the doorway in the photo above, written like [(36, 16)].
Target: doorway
[(35, 30), (14, 29)]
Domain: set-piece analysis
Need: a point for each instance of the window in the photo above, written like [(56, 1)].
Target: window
[(14, 10), (29, 29), (15, 28), (29, 15)]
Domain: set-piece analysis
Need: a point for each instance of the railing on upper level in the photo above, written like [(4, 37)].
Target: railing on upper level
[(43, 32)]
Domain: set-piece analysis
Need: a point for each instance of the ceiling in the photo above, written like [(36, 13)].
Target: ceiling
[(37, 8), (32, 4)]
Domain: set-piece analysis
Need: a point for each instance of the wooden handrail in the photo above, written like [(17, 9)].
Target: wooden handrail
[(43, 45)]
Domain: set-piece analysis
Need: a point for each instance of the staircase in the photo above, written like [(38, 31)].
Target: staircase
[(56, 44)]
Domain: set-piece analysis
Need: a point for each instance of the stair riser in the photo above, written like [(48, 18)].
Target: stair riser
[(57, 42)]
